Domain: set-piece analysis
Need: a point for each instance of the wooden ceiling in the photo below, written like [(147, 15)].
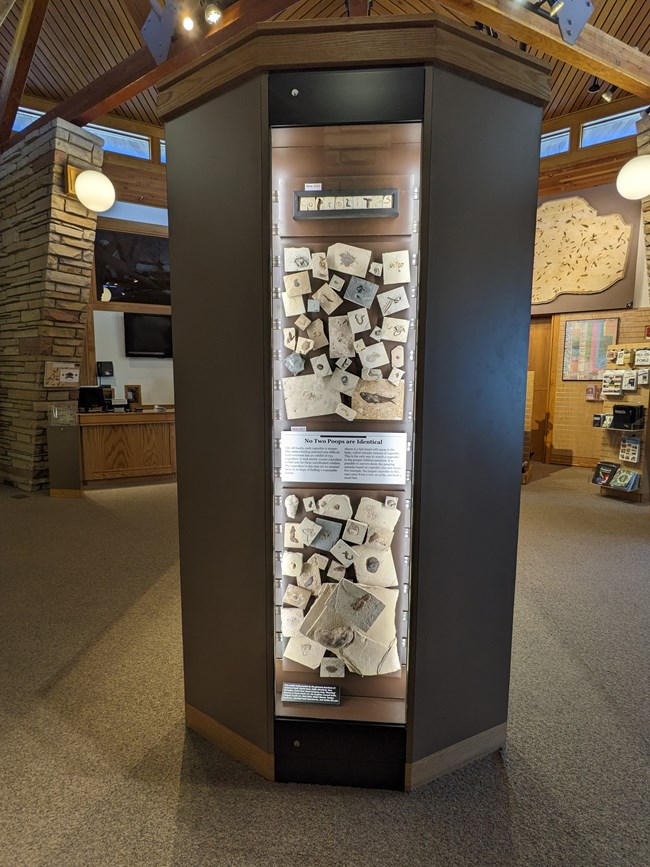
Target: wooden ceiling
[(82, 39)]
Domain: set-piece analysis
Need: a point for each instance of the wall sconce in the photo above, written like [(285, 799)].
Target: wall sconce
[(633, 180), (92, 188)]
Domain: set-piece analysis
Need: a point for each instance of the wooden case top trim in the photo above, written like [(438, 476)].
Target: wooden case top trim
[(341, 43)]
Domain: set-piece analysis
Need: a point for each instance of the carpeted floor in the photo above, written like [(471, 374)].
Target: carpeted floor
[(96, 767)]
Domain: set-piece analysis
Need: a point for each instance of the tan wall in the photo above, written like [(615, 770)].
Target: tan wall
[(572, 437)]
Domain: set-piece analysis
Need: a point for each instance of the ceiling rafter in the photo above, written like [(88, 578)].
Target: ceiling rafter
[(595, 51), (139, 71), (31, 19)]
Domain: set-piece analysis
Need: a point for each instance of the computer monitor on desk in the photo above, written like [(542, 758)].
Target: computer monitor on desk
[(91, 398)]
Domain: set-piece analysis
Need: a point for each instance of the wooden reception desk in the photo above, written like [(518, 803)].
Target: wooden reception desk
[(127, 445)]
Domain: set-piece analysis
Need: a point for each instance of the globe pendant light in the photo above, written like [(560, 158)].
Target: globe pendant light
[(633, 181), (95, 191)]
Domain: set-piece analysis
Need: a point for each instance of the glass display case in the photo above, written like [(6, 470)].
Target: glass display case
[(339, 233), (345, 256)]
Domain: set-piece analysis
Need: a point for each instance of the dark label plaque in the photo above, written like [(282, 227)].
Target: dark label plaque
[(309, 693)]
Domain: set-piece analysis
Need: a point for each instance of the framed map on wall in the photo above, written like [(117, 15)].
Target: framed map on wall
[(585, 347)]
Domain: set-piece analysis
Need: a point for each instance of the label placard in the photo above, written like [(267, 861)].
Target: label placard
[(310, 693), (352, 458)]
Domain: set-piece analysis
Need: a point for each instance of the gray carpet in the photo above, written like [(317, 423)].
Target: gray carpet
[(96, 767)]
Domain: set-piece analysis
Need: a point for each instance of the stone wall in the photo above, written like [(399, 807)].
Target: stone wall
[(46, 260), (643, 146)]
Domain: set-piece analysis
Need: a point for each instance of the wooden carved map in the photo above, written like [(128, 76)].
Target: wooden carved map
[(577, 251)]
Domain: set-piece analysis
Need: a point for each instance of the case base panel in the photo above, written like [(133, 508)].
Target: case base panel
[(340, 753)]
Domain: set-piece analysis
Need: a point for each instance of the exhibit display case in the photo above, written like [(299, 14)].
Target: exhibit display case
[(345, 221), (351, 265)]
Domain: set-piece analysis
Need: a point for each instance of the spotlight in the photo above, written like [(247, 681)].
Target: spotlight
[(212, 13), (555, 8), (188, 23), (608, 95), (595, 85)]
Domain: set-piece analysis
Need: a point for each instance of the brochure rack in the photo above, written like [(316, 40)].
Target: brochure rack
[(611, 444)]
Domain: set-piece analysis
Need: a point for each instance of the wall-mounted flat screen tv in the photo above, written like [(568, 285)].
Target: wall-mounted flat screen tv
[(132, 268), (147, 335)]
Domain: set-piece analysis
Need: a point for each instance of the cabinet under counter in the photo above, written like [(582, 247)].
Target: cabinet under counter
[(127, 445)]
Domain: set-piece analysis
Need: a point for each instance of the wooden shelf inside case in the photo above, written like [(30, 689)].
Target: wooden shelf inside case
[(363, 699)]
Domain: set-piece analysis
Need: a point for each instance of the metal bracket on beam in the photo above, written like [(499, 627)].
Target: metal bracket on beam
[(158, 29), (358, 8), (572, 17)]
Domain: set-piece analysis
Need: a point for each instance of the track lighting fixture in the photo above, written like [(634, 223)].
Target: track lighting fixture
[(555, 8), (595, 85), (608, 95), (212, 13)]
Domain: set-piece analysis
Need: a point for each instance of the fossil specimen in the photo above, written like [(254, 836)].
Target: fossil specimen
[(336, 636)]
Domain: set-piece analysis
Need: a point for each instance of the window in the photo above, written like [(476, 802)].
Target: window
[(24, 117), (610, 128), (556, 142), (163, 151), (128, 144)]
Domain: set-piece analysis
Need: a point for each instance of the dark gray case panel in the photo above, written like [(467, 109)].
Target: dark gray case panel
[(477, 241), (219, 248), (341, 96), (339, 753)]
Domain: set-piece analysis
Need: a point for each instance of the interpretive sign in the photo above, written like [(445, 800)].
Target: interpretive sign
[(356, 458), (309, 693)]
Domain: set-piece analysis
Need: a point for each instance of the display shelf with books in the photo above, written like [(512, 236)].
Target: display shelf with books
[(623, 468)]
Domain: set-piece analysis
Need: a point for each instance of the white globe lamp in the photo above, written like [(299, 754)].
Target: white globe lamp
[(95, 191), (633, 181)]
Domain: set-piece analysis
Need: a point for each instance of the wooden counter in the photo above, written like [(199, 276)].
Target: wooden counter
[(119, 445)]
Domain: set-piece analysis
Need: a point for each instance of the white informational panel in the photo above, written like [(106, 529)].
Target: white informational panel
[(358, 458)]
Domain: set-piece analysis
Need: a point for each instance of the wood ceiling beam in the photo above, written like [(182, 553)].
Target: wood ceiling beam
[(5, 9), (594, 52), (19, 61), (139, 71)]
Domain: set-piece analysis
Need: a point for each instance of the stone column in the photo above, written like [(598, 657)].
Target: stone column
[(643, 146), (46, 260)]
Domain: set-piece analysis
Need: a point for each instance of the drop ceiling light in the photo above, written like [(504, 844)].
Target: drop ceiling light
[(95, 191), (213, 14), (633, 181)]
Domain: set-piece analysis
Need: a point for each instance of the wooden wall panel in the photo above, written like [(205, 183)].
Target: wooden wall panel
[(539, 361), (137, 181)]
